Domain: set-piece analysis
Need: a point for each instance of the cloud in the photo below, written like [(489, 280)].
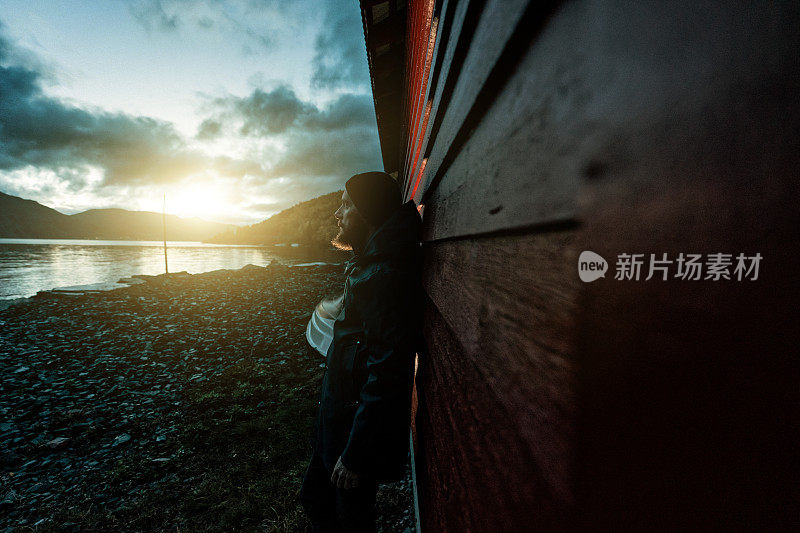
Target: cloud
[(253, 22), (329, 154), (340, 58), (237, 168), (209, 129), (279, 111), (267, 150), (346, 111), (153, 15), (40, 131), (339, 139), (43, 132), (269, 113)]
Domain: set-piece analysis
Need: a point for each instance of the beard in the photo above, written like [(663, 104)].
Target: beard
[(340, 241), (354, 237)]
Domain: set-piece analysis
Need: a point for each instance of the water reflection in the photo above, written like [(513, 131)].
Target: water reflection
[(28, 266)]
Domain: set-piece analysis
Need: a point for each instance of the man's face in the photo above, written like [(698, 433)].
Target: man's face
[(353, 229)]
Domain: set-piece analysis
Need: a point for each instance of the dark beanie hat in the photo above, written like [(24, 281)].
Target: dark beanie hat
[(376, 195)]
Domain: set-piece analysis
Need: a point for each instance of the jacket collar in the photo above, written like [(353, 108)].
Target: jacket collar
[(398, 235)]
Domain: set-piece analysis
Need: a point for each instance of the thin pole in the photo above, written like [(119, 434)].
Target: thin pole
[(164, 220)]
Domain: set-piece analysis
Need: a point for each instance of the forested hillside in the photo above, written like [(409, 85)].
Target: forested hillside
[(310, 223)]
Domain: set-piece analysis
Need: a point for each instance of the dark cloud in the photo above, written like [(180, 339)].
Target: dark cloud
[(209, 129), (280, 110), (337, 139), (340, 57), (303, 149), (269, 113), (44, 132), (347, 111)]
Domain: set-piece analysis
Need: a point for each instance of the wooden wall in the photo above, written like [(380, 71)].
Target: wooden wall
[(612, 126), (497, 403)]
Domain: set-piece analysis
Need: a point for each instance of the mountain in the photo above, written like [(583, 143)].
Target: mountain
[(26, 219), (310, 223), (20, 218), (145, 226)]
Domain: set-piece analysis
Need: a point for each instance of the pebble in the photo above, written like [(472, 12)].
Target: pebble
[(122, 439), (76, 402), (58, 442)]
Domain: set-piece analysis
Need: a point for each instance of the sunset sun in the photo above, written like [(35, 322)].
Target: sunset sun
[(201, 200)]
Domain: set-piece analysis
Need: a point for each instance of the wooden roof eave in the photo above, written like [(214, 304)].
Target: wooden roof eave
[(387, 74)]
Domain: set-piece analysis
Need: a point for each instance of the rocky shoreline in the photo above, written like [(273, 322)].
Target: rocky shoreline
[(181, 403)]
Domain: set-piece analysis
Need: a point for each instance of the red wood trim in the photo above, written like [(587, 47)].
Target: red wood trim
[(421, 45)]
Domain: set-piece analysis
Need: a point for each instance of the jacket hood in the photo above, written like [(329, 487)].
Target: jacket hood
[(400, 234)]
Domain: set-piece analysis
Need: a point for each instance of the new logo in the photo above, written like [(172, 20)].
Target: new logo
[(591, 266)]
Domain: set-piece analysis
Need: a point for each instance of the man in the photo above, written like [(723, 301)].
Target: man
[(365, 403)]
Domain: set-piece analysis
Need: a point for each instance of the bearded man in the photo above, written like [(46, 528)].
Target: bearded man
[(364, 415)]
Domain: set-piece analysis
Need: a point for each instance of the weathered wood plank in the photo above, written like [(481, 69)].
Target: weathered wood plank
[(522, 164), (497, 21), (601, 79), (474, 474), (510, 302), (679, 127)]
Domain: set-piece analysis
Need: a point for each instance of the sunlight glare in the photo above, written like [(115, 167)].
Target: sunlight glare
[(201, 200)]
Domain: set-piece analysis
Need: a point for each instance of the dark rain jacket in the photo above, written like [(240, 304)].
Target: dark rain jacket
[(365, 405)]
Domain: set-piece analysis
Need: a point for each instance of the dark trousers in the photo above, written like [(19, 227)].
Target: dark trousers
[(337, 510)]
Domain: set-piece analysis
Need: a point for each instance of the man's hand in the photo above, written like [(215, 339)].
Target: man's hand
[(343, 478)]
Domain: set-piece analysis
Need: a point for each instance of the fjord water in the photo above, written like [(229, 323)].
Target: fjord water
[(31, 265)]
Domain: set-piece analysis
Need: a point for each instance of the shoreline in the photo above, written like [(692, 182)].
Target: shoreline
[(29, 268), (135, 279), (148, 407)]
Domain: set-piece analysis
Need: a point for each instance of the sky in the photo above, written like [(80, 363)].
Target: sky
[(235, 109)]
